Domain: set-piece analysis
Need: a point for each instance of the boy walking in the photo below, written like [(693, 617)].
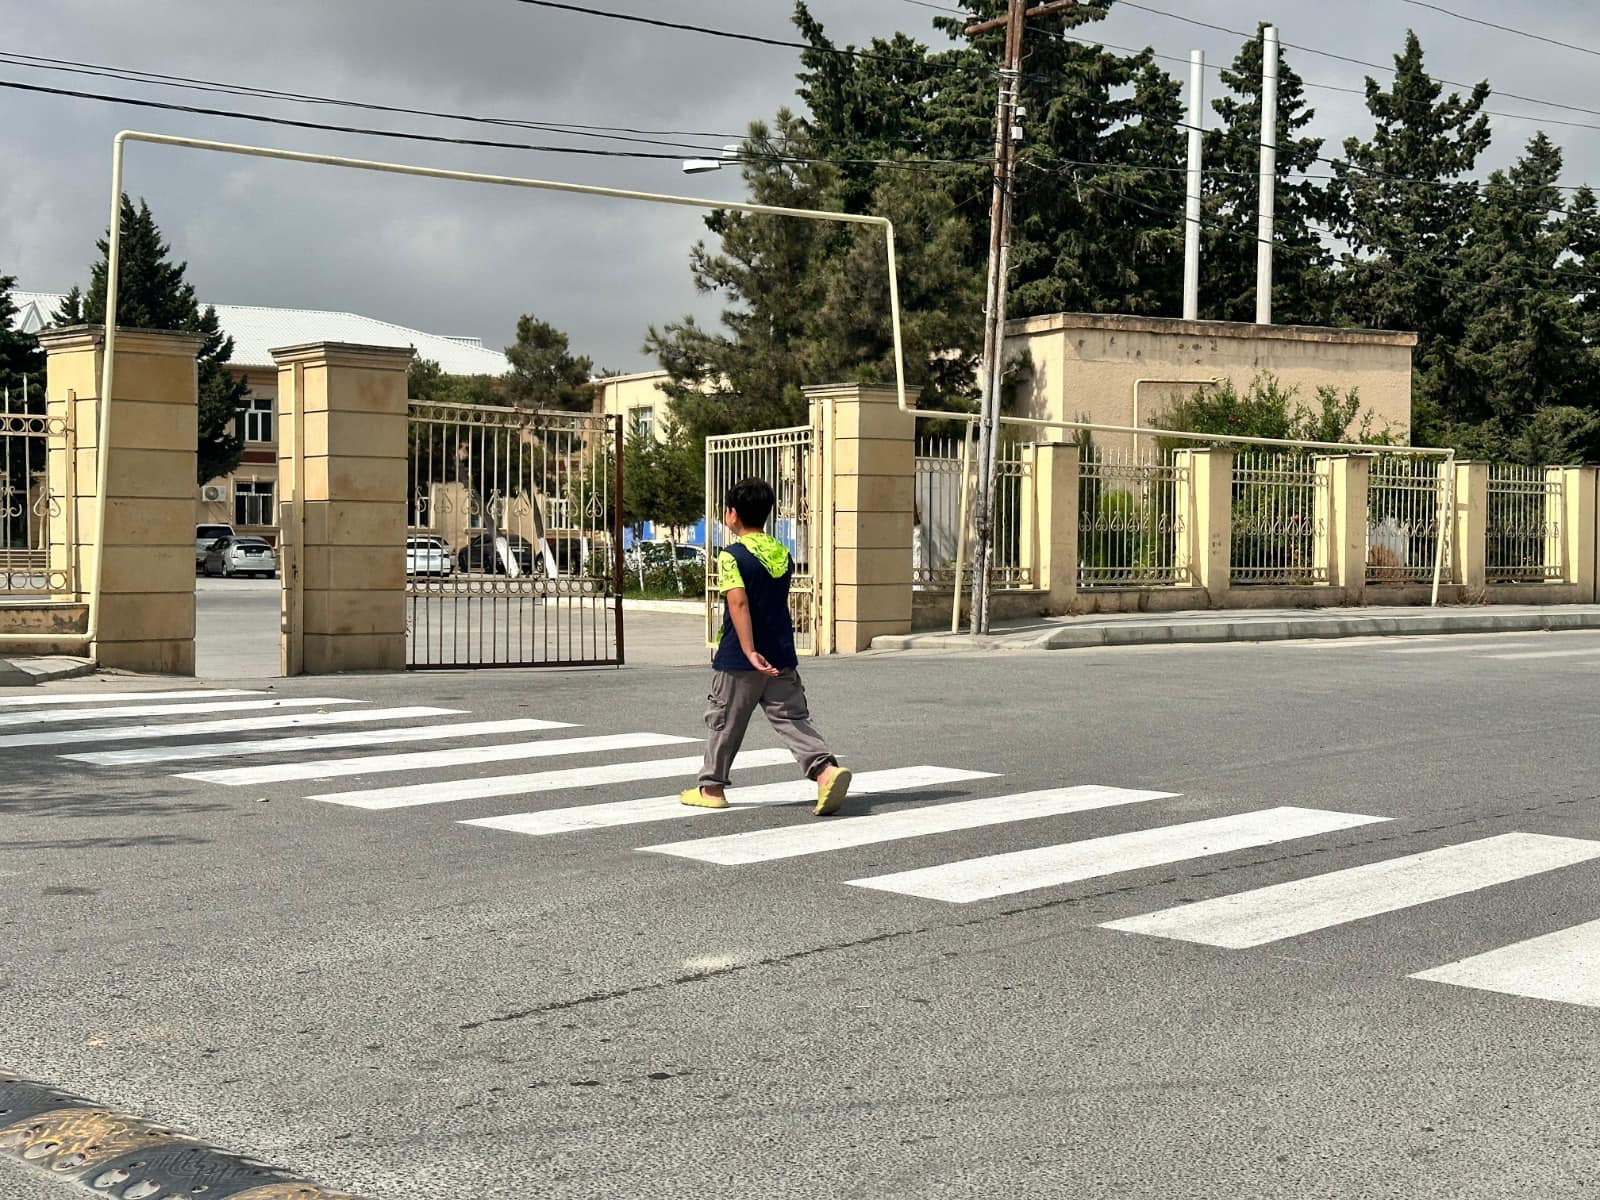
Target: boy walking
[(755, 663)]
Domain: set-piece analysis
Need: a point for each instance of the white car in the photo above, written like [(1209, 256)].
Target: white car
[(428, 556)]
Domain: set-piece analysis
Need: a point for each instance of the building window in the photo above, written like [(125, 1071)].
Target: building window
[(252, 503), (257, 419), (642, 421)]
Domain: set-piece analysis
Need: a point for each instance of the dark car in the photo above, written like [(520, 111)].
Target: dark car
[(507, 554)]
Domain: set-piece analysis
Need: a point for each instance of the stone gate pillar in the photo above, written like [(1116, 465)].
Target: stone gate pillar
[(342, 449), (145, 568), (867, 514)]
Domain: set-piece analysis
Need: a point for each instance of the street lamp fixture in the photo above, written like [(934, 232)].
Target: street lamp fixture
[(704, 166)]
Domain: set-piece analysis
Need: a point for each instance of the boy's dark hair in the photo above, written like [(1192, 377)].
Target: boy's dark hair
[(752, 499)]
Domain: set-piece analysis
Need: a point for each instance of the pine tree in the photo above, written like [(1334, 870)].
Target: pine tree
[(20, 355), (545, 374), (152, 293), (1403, 203), (1524, 346), (1231, 201)]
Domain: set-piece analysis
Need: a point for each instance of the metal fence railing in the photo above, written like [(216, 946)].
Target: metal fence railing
[(1130, 519), (941, 508), (1405, 497), (1280, 514), (28, 504), (1524, 525)]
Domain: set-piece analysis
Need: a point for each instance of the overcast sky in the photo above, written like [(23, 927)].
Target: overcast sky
[(462, 259)]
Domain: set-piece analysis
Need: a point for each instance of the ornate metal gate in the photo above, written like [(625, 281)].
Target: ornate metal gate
[(513, 552), (788, 460)]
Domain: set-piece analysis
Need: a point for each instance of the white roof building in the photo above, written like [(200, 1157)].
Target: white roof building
[(255, 331)]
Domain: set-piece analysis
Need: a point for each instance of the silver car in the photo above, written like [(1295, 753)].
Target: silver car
[(241, 556), (206, 536)]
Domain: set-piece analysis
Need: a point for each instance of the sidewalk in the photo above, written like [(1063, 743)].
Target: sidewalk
[(1250, 625), (22, 671)]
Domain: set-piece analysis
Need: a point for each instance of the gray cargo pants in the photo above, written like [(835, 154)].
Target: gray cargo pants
[(733, 699)]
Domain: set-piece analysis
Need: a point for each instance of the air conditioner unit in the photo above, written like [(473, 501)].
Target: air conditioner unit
[(213, 493)]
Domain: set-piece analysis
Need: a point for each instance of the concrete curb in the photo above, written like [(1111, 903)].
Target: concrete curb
[(1286, 629), (682, 608), (26, 672)]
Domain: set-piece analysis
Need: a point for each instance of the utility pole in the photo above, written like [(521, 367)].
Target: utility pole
[(1269, 173), (1007, 133), (1191, 208)]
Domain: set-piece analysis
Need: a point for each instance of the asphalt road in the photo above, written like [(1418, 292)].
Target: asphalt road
[(408, 1006)]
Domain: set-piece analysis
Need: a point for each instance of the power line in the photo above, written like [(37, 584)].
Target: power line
[(1477, 184), (442, 139), (1360, 62), (1537, 37), (712, 31)]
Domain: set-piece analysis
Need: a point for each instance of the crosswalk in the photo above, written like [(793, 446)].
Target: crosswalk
[(444, 760), (1481, 647)]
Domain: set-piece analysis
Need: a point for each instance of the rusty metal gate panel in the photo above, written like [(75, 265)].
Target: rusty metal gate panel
[(787, 459), (513, 548)]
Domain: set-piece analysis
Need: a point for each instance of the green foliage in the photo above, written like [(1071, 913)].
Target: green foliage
[(427, 382), (20, 355), (152, 293), (1269, 410), (663, 481), (545, 374)]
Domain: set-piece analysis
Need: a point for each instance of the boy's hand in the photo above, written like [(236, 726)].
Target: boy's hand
[(761, 664)]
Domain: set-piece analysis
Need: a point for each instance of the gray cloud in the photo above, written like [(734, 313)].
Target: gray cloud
[(467, 260)]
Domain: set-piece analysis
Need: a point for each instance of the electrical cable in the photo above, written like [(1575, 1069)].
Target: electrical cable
[(1537, 37)]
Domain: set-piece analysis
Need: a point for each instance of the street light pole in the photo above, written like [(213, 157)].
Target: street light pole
[(1007, 133)]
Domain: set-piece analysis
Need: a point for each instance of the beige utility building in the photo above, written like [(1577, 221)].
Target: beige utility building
[(1119, 370), (247, 499)]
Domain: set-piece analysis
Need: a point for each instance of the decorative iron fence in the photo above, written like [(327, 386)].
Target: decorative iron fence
[(29, 505), (940, 510), (1405, 495), (1280, 515), (1130, 519), (513, 556), (785, 458), (1524, 525)]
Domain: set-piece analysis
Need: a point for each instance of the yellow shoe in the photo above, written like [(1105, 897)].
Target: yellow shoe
[(831, 794), (695, 798)]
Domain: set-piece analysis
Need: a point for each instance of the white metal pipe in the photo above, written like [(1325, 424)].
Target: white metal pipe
[(108, 370), (1269, 173), (961, 529), (1191, 209)]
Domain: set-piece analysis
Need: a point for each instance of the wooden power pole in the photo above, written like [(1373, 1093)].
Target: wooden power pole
[(1007, 133)]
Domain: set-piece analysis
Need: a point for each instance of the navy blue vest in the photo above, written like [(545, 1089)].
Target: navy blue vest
[(769, 617)]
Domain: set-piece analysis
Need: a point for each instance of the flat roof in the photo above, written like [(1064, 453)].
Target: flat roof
[(1239, 330)]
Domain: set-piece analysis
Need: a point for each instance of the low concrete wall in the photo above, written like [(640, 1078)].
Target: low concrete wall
[(67, 619), (931, 610)]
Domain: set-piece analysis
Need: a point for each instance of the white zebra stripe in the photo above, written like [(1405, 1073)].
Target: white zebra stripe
[(1050, 866), (166, 732), (163, 710), (1563, 966), (576, 778), (1286, 910), (119, 697), (320, 741), (764, 845), (668, 808), (423, 760)]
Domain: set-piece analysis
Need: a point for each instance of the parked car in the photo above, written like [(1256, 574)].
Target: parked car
[(206, 536), (428, 556), (507, 554), (241, 556), (658, 552)]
